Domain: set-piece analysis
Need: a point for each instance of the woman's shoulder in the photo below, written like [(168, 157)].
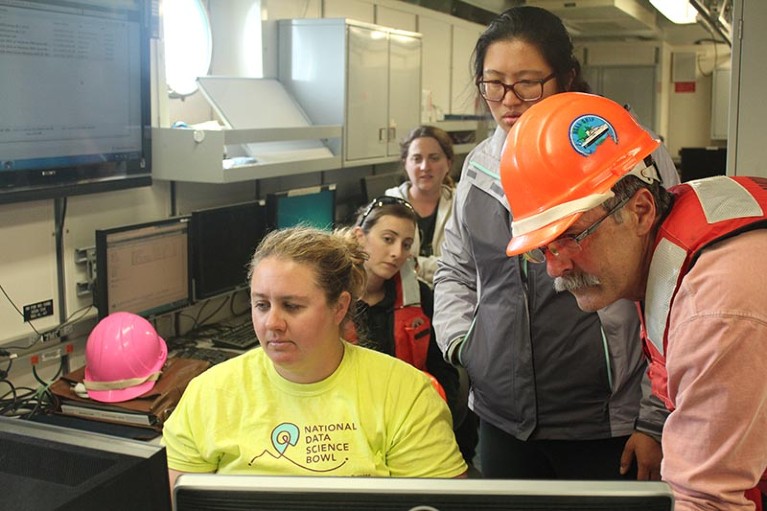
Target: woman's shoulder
[(374, 362), (398, 191), (235, 367)]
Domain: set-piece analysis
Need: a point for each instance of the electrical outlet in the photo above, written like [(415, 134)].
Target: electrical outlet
[(53, 354), (50, 355)]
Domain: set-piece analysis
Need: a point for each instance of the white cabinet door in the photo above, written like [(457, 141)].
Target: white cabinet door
[(366, 77), (463, 97), (404, 88), (720, 104), (436, 62), (368, 94)]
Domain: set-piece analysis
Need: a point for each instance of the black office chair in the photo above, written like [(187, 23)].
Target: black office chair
[(376, 185)]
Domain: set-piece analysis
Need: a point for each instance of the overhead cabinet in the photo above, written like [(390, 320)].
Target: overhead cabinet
[(365, 77)]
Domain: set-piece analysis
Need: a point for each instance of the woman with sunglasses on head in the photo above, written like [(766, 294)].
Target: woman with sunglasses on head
[(427, 156), (560, 393), (306, 402), (393, 315)]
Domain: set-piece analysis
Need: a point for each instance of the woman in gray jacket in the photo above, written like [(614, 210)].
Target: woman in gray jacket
[(561, 394)]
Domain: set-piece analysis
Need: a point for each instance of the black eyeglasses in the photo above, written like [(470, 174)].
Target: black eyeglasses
[(384, 200), (569, 245), (525, 90)]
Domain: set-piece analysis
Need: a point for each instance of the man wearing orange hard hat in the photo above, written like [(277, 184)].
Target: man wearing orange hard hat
[(585, 199)]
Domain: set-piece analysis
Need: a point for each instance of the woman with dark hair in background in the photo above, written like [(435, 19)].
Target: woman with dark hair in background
[(427, 156), (559, 392), (394, 313)]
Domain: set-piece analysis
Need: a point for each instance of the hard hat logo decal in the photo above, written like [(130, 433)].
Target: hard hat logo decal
[(588, 132)]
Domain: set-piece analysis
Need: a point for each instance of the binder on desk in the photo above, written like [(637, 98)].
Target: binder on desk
[(149, 410)]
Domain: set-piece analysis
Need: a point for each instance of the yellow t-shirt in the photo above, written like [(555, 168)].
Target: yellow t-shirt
[(374, 416)]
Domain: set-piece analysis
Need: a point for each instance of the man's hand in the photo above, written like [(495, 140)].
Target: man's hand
[(648, 453)]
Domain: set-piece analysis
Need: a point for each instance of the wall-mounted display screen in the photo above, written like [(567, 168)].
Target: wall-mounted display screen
[(75, 109)]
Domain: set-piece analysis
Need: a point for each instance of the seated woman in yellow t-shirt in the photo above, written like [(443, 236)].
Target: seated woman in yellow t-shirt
[(307, 402)]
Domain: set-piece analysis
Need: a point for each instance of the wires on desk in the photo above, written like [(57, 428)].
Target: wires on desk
[(25, 402)]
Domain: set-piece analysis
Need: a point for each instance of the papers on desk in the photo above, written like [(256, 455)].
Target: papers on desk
[(149, 410)]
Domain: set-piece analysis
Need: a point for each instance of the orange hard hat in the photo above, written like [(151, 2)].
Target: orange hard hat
[(561, 158)]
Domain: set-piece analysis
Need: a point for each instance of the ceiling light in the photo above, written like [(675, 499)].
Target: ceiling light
[(677, 11)]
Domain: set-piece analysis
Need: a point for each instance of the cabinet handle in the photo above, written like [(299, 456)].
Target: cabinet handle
[(392, 133), (382, 135)]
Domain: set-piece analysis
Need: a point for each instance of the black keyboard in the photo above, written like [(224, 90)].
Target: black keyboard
[(239, 337), (212, 355)]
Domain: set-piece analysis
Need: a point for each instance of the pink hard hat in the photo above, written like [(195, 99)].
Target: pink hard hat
[(123, 358)]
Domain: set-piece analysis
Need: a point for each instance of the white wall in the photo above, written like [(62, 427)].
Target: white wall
[(690, 112)]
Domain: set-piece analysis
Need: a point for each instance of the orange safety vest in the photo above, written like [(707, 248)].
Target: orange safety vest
[(412, 327), (701, 216)]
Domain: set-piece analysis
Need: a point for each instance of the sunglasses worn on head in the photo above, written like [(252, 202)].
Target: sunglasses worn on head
[(384, 200)]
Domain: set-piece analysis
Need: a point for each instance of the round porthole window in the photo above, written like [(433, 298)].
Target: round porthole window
[(188, 44)]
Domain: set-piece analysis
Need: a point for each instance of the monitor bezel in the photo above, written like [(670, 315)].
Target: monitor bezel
[(101, 287), (144, 460), (195, 240), (247, 490), (273, 199), (71, 179)]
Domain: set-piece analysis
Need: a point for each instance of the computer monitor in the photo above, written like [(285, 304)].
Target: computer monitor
[(195, 492), (314, 206), (143, 268), (75, 114), (223, 240), (701, 162), (376, 185), (46, 467)]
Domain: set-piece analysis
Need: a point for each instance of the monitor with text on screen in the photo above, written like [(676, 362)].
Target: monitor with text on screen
[(47, 467), (143, 268), (313, 206), (223, 240), (213, 492), (76, 110)]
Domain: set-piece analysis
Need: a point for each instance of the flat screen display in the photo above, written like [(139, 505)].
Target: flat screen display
[(313, 206), (210, 492), (75, 109), (47, 467), (143, 268), (222, 243), (702, 162)]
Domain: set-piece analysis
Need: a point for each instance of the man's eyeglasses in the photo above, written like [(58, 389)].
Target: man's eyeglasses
[(525, 90), (384, 200), (569, 244)]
